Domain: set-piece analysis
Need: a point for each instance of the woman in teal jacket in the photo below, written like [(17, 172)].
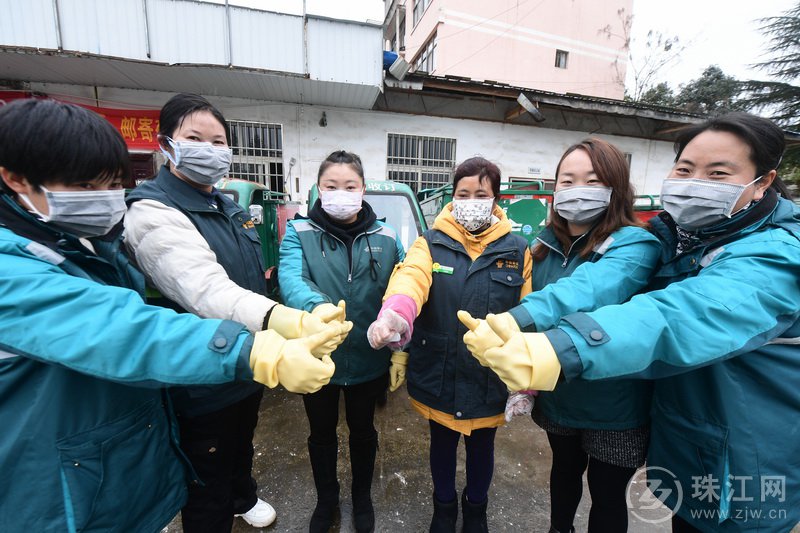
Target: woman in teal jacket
[(342, 253), (89, 442), (719, 331), (592, 253)]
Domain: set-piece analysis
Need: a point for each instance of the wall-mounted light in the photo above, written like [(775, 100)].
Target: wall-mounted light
[(324, 120)]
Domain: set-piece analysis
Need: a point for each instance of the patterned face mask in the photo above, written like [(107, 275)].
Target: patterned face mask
[(473, 214)]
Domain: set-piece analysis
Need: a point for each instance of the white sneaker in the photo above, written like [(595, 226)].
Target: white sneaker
[(261, 515)]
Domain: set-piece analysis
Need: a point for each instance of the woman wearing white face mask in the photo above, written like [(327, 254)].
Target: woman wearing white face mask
[(342, 252), (593, 252), (718, 330), (469, 260), (202, 252)]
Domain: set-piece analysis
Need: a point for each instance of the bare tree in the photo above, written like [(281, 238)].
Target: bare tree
[(658, 52)]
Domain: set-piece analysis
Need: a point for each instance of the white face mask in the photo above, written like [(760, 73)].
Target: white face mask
[(201, 162), (473, 214), (82, 213), (341, 205), (695, 203), (583, 204)]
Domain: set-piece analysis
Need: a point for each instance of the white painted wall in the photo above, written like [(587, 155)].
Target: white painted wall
[(514, 148)]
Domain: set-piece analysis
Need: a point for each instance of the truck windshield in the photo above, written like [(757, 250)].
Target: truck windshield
[(398, 212)]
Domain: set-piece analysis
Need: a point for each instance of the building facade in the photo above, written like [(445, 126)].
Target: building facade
[(550, 45), (297, 88)]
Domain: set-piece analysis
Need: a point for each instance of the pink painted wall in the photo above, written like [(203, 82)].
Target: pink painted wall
[(515, 42)]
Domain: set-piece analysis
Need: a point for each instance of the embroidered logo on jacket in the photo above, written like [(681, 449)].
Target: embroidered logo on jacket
[(508, 263)]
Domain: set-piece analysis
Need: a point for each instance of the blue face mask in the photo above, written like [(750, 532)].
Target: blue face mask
[(696, 203), (201, 162)]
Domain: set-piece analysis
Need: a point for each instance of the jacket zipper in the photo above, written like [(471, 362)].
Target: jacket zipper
[(559, 252), (350, 271)]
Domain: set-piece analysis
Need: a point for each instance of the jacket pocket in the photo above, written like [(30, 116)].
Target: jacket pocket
[(508, 278), (130, 456), (696, 453), (504, 290), (426, 361)]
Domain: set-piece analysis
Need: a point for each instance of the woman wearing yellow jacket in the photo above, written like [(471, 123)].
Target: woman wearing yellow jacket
[(469, 260)]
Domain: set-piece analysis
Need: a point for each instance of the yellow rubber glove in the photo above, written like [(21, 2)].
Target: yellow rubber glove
[(327, 348), (526, 361), (327, 312), (293, 323), (397, 371), (290, 362), (481, 337)]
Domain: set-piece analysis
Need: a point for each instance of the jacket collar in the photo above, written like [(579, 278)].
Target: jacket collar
[(771, 210), (186, 196)]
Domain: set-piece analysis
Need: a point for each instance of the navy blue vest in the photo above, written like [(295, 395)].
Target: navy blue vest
[(442, 373), (232, 237)]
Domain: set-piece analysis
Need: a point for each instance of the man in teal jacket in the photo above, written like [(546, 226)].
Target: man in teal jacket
[(88, 440), (719, 331)]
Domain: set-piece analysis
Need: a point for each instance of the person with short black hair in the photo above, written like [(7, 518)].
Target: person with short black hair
[(469, 259), (202, 253), (89, 441)]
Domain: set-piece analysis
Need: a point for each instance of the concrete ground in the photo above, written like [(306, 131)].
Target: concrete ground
[(518, 499)]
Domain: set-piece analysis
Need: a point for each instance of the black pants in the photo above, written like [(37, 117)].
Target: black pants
[(607, 484), (220, 448), (480, 462), (322, 409)]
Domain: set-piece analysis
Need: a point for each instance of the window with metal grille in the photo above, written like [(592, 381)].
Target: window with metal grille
[(561, 58), (257, 153), (420, 162)]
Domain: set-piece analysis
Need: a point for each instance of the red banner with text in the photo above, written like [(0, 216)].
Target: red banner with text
[(138, 127)]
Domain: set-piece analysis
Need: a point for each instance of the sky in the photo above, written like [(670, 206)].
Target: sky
[(720, 32)]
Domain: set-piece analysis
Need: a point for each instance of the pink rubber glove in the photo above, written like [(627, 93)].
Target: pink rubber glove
[(395, 323)]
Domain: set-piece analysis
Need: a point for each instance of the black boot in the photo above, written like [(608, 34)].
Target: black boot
[(554, 530), (323, 465), (362, 462), (474, 515), (445, 516)]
